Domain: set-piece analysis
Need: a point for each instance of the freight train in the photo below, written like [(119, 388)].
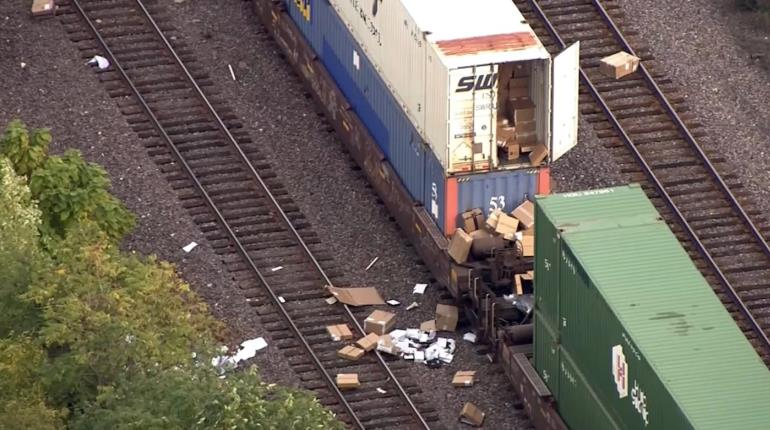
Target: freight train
[(452, 105)]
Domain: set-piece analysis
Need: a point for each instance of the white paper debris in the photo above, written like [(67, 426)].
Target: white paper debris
[(413, 333), (281, 299), (470, 337), (277, 268), (100, 62), (189, 247), (381, 391), (331, 300), (247, 350), (519, 235), (23, 65), (371, 264), (397, 335), (231, 71), (412, 306), (393, 302), (419, 288)]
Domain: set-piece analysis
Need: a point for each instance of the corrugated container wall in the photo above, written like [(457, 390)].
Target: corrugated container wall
[(643, 342), (418, 168)]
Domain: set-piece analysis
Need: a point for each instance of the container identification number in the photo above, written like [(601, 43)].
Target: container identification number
[(496, 202), (639, 400), (368, 20)]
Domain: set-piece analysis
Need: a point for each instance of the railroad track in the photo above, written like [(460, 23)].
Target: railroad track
[(645, 128), (242, 208)]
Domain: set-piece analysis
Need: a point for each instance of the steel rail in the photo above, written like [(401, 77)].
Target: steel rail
[(241, 249), (754, 325)]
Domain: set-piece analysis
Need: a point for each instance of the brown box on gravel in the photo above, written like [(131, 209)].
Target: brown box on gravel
[(538, 155), (348, 380), (464, 378), (618, 65), (339, 332), (351, 353), (471, 415), (525, 213), (460, 246), (43, 7), (379, 322), (429, 325), (506, 226), (368, 342), (446, 317)]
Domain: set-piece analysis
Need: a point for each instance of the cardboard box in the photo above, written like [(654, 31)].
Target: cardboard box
[(446, 317), (43, 7), (505, 134), (469, 222), (492, 219), (484, 243), (513, 150), (478, 217), (525, 213), (538, 154), (525, 138), (526, 126), (385, 344), (464, 378), (357, 296), (507, 226), (618, 65), (528, 246), (471, 415), (429, 325), (379, 322), (521, 82), (339, 332), (350, 352), (368, 342), (460, 246), (521, 110), (517, 282), (518, 92), (348, 381)]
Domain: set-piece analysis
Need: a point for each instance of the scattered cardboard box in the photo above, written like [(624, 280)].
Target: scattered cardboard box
[(357, 296), (368, 342), (525, 213), (385, 344), (464, 378), (446, 317), (492, 219), (460, 246), (339, 332), (528, 246), (506, 226), (618, 65), (478, 217), (538, 154), (379, 322), (529, 276), (429, 325), (43, 7), (471, 415), (517, 283), (505, 134), (348, 380), (350, 352), (484, 243)]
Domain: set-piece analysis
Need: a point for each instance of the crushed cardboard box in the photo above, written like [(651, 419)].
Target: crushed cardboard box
[(506, 226), (618, 65), (348, 380), (525, 213), (379, 322), (446, 317), (464, 378), (357, 296), (460, 246), (538, 154), (350, 352), (368, 342), (339, 332), (472, 415)]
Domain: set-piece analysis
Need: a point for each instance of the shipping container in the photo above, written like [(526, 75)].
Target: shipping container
[(444, 196), (640, 338), (472, 77)]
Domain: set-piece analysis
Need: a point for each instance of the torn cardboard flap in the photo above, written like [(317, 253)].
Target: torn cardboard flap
[(379, 322), (350, 352), (472, 415), (339, 332), (368, 342), (446, 317), (348, 380), (464, 378), (357, 296), (525, 213)]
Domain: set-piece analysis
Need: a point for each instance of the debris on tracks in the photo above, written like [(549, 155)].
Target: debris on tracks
[(100, 62), (464, 378), (472, 415), (348, 380), (232, 73), (446, 317), (470, 337), (350, 352), (419, 288), (189, 247), (429, 325), (276, 268), (393, 302), (339, 332), (43, 7), (357, 296), (412, 306), (379, 322), (618, 65), (368, 342), (371, 264), (248, 349)]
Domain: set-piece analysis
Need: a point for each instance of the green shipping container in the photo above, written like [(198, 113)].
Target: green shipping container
[(643, 341)]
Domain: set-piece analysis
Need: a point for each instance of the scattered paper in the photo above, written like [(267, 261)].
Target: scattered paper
[(247, 350), (23, 65), (470, 337), (189, 247), (281, 299), (412, 306), (99, 61), (357, 296), (371, 264), (331, 300), (231, 71), (275, 269), (381, 391), (419, 288), (393, 302)]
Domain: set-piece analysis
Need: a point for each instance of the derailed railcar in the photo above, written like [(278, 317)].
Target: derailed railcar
[(628, 334), (426, 81)]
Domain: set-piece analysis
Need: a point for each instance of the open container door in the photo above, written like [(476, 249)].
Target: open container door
[(565, 82)]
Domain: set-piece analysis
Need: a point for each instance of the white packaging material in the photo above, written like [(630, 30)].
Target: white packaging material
[(451, 346), (413, 333), (277, 268), (445, 357), (189, 247), (412, 306), (381, 391), (419, 357), (442, 342), (397, 335), (419, 288), (470, 337), (393, 302)]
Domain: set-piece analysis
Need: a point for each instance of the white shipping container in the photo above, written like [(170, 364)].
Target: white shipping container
[(443, 60)]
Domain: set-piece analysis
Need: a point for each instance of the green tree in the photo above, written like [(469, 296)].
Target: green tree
[(26, 152)]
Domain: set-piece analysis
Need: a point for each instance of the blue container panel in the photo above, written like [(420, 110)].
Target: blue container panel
[(489, 191), (304, 15), (434, 196)]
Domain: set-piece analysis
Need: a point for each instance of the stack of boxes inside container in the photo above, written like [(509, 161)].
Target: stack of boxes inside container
[(423, 76), (628, 334)]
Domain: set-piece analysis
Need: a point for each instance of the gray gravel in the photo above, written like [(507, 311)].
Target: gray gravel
[(702, 46)]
